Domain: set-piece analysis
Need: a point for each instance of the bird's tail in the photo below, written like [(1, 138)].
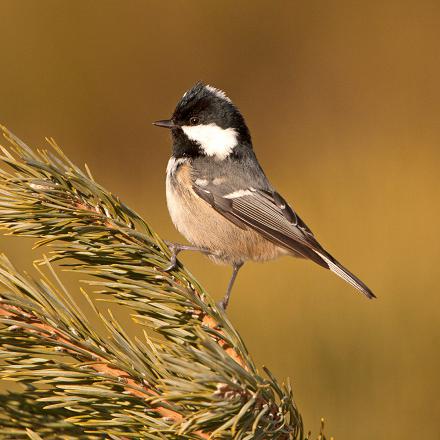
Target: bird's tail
[(345, 274)]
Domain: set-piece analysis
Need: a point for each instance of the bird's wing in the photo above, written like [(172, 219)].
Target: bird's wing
[(266, 212)]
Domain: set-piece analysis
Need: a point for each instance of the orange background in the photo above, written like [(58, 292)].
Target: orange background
[(343, 102)]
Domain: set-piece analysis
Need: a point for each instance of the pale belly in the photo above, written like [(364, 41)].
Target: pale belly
[(202, 226)]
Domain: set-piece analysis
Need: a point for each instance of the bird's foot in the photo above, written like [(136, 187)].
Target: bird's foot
[(176, 248), (223, 304)]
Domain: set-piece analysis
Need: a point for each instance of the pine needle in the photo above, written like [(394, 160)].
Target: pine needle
[(189, 375)]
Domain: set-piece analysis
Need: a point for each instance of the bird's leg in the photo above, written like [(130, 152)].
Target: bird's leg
[(224, 302), (176, 248)]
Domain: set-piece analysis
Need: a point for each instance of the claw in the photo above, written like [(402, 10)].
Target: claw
[(222, 305), (173, 259), (172, 266)]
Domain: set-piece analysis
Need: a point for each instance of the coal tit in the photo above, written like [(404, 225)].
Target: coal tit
[(219, 197)]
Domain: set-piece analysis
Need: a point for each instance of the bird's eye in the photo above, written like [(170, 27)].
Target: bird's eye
[(194, 120)]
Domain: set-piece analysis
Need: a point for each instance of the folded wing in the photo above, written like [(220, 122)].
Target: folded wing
[(269, 214)]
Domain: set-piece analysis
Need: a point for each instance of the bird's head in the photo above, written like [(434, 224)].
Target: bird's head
[(207, 123)]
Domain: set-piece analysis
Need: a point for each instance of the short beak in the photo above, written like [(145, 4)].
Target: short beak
[(166, 123)]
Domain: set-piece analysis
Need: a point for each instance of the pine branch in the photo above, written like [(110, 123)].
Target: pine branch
[(112, 375), (193, 379)]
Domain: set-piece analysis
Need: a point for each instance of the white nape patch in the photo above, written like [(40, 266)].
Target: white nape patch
[(217, 92), (201, 182), (214, 140), (173, 164), (239, 193)]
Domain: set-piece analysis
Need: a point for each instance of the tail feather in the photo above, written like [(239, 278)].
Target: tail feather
[(346, 275)]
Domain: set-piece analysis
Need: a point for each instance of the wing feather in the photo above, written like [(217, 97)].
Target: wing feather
[(258, 211), (269, 214)]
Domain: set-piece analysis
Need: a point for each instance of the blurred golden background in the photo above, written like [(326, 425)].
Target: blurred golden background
[(343, 101)]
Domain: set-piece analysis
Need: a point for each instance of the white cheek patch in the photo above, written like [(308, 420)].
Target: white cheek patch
[(214, 140)]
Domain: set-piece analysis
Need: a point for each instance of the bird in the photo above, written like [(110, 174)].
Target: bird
[(219, 197)]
